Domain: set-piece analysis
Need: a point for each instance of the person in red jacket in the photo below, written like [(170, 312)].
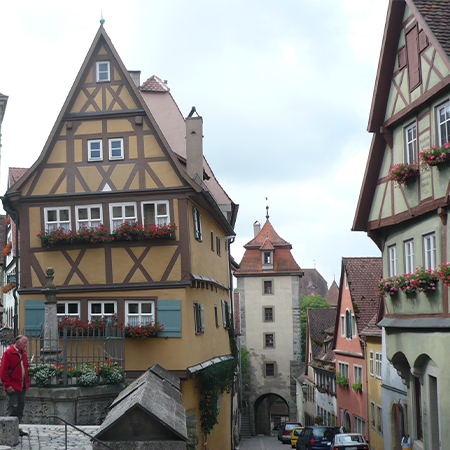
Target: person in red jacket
[(14, 376)]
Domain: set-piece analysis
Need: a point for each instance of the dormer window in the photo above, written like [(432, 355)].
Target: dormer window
[(103, 71), (267, 260)]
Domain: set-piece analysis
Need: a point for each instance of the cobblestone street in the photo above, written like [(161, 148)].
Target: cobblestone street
[(262, 443)]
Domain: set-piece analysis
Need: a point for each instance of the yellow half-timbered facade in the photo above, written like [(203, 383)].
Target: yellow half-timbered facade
[(114, 157)]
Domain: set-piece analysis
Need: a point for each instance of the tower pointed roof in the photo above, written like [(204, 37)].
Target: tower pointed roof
[(268, 239)]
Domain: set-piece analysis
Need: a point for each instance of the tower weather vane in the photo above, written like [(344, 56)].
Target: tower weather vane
[(267, 209)]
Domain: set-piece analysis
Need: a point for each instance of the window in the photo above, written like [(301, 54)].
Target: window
[(409, 255), (379, 419), (357, 374), (57, 218), (371, 363), (411, 143), (343, 369), (212, 241), (372, 414), (121, 213), (216, 316), (225, 312), (95, 150), (268, 288), (268, 314), (392, 255), (156, 213), (378, 364), (359, 425), (269, 340), (443, 122), (267, 257), (103, 71), (218, 245), (348, 320), (342, 325), (197, 224), (102, 309), (115, 148), (429, 251), (199, 318), (67, 309), (88, 216), (353, 326), (269, 369), (139, 312)]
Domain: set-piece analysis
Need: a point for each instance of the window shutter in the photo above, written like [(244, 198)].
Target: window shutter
[(169, 315), (224, 314), (412, 50), (202, 317), (194, 213), (34, 317)]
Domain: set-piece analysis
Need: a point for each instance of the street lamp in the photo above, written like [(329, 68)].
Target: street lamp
[(304, 388)]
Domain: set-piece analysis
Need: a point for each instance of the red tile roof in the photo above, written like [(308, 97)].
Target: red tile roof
[(320, 320), (267, 238), (372, 329), (362, 277), (154, 84), (15, 174)]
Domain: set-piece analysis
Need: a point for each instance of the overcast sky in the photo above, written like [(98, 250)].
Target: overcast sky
[(284, 89)]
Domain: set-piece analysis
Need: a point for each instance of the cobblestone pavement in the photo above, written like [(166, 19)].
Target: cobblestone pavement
[(262, 443), (52, 437)]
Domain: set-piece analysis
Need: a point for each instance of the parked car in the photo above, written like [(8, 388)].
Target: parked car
[(294, 436), (279, 429), (349, 441), (316, 438), (286, 431)]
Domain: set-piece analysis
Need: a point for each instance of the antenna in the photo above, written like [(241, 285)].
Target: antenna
[(102, 20)]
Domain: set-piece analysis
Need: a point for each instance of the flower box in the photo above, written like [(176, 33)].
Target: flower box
[(60, 236), (7, 249), (434, 156), (410, 283), (402, 172)]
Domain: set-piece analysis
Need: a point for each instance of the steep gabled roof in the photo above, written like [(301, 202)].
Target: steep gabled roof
[(333, 294), (372, 329), (15, 174), (320, 321), (267, 238)]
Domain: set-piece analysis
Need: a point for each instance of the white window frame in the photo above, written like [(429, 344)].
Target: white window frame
[(65, 224), (392, 260), (106, 71), (199, 318), (408, 250), (89, 144), (429, 251), (110, 143), (197, 224), (358, 375), (160, 219), (410, 136), (443, 124), (103, 303), (378, 364), (124, 218), (343, 331), (359, 425), (66, 309), (89, 221), (371, 363), (379, 419), (353, 326), (140, 315), (344, 369)]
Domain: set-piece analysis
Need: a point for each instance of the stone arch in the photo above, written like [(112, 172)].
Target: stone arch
[(397, 424), (268, 410), (347, 422), (402, 366)]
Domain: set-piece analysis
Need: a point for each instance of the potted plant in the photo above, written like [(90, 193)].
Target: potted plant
[(7, 249), (402, 172), (128, 231), (422, 280), (163, 231), (318, 420), (443, 273), (341, 380), (357, 386)]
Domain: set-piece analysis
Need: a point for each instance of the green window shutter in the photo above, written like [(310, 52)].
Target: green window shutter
[(202, 317), (34, 317), (169, 315)]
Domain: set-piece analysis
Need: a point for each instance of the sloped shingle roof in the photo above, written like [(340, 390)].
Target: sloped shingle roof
[(320, 320)]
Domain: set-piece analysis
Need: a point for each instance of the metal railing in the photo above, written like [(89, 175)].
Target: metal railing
[(93, 438)]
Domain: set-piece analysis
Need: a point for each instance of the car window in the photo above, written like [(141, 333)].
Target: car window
[(319, 432), (329, 433), (291, 426)]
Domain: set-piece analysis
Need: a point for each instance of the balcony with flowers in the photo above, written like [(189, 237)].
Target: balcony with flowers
[(435, 156)]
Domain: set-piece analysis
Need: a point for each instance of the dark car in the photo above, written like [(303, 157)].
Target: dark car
[(349, 441), (277, 430), (284, 435), (316, 438)]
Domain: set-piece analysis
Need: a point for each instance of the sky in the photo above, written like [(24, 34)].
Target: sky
[(284, 89)]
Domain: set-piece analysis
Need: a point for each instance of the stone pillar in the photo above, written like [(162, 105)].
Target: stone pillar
[(51, 354)]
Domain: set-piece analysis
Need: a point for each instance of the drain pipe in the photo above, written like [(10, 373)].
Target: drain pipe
[(15, 217)]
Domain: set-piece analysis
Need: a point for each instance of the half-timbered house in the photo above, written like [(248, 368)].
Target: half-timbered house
[(123, 162), (403, 206)]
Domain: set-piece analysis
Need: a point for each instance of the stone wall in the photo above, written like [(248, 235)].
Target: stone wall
[(77, 405)]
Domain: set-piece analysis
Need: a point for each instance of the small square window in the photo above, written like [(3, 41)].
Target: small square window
[(429, 251), (268, 288), (199, 318), (95, 150), (270, 369), (268, 314), (269, 340), (267, 257), (411, 143), (115, 148), (103, 71)]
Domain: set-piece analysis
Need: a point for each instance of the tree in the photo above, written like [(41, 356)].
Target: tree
[(310, 301)]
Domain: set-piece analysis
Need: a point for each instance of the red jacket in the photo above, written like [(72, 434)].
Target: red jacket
[(11, 360)]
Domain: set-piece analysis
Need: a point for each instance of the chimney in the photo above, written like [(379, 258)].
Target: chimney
[(194, 147), (136, 77), (256, 228)]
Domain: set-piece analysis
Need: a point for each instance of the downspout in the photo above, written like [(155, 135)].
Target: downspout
[(15, 217)]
